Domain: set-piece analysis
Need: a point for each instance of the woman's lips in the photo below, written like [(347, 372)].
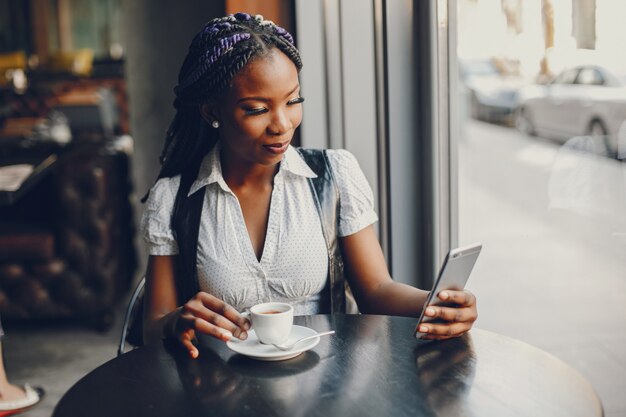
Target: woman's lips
[(277, 148)]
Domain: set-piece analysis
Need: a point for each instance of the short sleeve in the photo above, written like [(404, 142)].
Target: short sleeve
[(157, 216), (355, 194)]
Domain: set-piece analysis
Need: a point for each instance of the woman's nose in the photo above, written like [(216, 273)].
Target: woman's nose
[(280, 123)]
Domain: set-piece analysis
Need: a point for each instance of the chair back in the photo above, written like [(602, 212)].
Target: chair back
[(133, 321)]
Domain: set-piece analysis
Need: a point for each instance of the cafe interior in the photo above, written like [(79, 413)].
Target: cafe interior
[(86, 92)]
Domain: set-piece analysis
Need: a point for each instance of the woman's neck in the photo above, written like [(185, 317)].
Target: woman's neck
[(239, 173)]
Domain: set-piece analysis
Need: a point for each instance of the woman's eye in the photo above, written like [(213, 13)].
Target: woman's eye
[(256, 110), (296, 100)]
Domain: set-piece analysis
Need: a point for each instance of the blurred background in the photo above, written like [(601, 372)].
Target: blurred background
[(500, 121)]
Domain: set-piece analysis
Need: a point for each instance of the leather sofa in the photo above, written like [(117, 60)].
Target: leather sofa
[(66, 246)]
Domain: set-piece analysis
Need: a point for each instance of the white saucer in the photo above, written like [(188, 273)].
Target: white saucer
[(252, 348)]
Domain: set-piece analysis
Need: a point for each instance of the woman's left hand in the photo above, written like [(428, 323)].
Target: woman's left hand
[(452, 320)]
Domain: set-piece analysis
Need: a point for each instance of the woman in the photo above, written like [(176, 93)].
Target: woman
[(259, 236)]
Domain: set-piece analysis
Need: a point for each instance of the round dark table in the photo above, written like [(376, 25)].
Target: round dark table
[(372, 366)]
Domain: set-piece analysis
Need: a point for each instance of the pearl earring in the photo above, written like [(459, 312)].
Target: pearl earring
[(215, 124)]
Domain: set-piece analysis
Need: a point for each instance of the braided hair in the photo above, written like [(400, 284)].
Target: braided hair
[(216, 54)]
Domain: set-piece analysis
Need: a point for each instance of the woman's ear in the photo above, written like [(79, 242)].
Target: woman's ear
[(207, 110)]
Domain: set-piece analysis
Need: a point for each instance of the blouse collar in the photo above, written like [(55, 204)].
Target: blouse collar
[(211, 169)]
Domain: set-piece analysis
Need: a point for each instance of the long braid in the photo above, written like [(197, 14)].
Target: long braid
[(216, 54)]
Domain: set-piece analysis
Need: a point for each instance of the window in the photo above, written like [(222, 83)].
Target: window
[(549, 202), (590, 76), (566, 77)]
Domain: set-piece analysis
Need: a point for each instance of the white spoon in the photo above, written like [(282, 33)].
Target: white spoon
[(290, 346)]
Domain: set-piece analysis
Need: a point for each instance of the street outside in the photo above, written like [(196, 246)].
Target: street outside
[(552, 220)]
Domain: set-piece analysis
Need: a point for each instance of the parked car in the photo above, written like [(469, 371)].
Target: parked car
[(492, 94), (581, 100)]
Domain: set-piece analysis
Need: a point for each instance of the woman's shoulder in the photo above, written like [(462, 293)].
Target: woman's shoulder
[(166, 184), (341, 155), (157, 216), (355, 194), (163, 192), (342, 160), (335, 153)]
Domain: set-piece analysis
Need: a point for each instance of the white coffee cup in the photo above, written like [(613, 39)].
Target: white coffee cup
[(271, 321)]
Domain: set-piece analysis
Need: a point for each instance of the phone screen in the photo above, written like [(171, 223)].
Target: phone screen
[(453, 275)]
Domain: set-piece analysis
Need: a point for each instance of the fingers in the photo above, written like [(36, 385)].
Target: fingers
[(189, 321), (451, 314), (215, 311), (443, 331), (212, 316), (464, 298), (223, 309), (186, 339), (449, 321)]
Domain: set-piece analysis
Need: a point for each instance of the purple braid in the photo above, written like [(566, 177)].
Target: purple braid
[(284, 34), (210, 57)]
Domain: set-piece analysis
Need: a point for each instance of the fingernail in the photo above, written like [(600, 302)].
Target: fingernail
[(246, 325), (430, 311), (226, 335), (243, 336), (194, 354), (444, 295), (423, 329)]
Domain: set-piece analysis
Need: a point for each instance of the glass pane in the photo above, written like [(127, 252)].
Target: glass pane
[(84, 24), (542, 177)]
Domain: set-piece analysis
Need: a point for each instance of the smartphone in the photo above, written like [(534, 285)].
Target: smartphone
[(454, 273)]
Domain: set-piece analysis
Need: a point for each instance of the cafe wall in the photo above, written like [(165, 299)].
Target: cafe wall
[(157, 33)]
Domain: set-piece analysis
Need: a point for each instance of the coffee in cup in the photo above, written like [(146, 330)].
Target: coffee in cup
[(271, 321)]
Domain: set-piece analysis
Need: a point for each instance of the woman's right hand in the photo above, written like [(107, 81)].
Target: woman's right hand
[(208, 315)]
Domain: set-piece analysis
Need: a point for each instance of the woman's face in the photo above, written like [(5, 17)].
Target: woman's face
[(261, 110)]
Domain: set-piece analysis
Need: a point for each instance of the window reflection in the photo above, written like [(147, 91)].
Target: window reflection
[(546, 191)]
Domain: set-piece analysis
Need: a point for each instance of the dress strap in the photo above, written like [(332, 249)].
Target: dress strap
[(326, 195)]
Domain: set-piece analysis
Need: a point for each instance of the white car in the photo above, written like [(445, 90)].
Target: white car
[(491, 94), (582, 100)]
